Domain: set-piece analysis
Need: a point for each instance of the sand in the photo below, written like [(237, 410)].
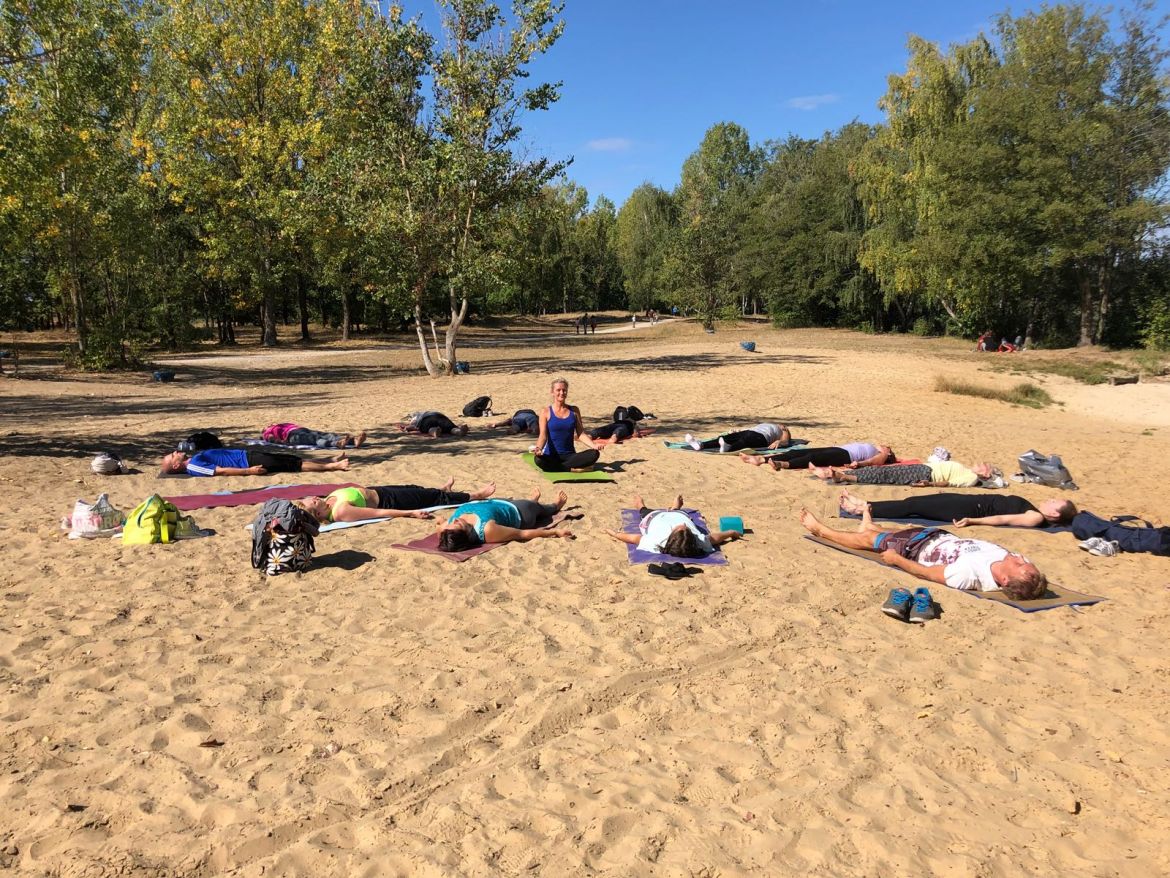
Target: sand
[(547, 709)]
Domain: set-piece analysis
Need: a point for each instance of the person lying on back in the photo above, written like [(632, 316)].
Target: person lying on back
[(246, 462)]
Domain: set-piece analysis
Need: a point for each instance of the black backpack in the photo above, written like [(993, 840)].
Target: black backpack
[(1042, 469), (627, 413), (201, 441), (478, 407), (1155, 540)]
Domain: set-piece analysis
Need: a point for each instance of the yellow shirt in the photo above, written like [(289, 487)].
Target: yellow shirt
[(954, 474)]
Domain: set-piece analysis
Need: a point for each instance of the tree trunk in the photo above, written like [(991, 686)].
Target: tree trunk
[(303, 305), (1105, 285), (1087, 311), (431, 368), (268, 310), (1030, 329), (457, 318), (345, 314)]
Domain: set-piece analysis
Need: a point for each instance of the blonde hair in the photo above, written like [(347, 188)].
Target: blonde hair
[(556, 381)]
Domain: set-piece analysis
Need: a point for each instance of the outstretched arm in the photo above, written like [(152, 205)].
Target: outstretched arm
[(349, 512), (1020, 519), (930, 574), (240, 471), (632, 539), (719, 537)]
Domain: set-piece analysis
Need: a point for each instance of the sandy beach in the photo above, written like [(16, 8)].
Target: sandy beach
[(548, 709)]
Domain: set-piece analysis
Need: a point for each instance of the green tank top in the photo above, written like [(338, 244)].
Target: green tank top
[(352, 496)]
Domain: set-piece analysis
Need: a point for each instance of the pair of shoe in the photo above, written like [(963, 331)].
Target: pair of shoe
[(916, 607), (1100, 546), (671, 570)]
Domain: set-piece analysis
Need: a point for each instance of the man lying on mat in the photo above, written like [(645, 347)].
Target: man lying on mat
[(938, 556), (246, 462), (388, 501)]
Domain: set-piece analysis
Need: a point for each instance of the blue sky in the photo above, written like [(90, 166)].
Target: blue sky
[(644, 79)]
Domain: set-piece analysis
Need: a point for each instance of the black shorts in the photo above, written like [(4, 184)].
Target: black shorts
[(275, 462)]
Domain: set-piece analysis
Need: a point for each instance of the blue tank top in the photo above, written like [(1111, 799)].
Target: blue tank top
[(560, 433), (499, 511)]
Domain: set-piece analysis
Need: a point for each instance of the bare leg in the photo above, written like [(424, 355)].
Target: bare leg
[(313, 466), (778, 464), (753, 459), (848, 540), (866, 520), (361, 438), (562, 499)]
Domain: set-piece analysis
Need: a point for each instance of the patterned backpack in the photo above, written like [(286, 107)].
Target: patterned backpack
[(282, 538)]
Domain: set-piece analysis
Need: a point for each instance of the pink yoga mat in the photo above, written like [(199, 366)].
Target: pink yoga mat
[(430, 545), (253, 496)]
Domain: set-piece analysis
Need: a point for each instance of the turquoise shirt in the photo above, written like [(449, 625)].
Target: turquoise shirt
[(499, 511)]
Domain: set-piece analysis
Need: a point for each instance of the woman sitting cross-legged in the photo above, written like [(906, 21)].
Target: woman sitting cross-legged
[(852, 455), (387, 501), (991, 510), (671, 532), (560, 426), (501, 521)]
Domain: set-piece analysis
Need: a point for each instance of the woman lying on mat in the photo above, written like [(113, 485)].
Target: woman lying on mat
[(938, 556), (560, 425), (759, 436), (852, 455), (501, 521), (936, 474), (295, 434), (992, 510), (671, 532), (434, 424), (522, 421), (387, 501)]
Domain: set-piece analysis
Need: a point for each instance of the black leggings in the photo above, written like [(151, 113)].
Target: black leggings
[(616, 430), (274, 461), (555, 463), (737, 441), (803, 458), (533, 513), (938, 507), (429, 422), (414, 497)]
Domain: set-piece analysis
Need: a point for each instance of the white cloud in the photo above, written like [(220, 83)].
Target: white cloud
[(811, 102), (610, 144)]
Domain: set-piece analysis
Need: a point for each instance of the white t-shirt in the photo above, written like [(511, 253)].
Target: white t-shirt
[(968, 562), (771, 432), (657, 525)]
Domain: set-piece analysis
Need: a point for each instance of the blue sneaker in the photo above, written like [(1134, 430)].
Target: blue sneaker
[(898, 604), (922, 609)]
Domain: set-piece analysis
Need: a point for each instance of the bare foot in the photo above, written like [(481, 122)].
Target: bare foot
[(535, 495), (361, 438), (850, 503), (450, 484), (562, 499), (483, 493), (866, 519), (753, 459), (338, 465), (461, 429), (810, 522), (678, 502), (639, 503), (344, 440), (824, 473), (341, 456)]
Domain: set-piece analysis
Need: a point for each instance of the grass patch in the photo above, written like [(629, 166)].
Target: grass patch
[(1084, 371), (1023, 393)]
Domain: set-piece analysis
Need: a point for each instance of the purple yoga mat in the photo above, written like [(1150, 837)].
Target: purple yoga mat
[(252, 496), (630, 520)]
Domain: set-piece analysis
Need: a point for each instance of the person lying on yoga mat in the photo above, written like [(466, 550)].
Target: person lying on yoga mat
[(246, 462), (852, 455), (501, 521), (938, 556), (992, 510), (388, 501), (759, 436), (522, 421), (671, 532), (295, 434), (434, 424), (936, 474), (560, 425)]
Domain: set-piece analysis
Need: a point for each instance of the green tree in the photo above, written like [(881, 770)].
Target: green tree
[(713, 197), (641, 237)]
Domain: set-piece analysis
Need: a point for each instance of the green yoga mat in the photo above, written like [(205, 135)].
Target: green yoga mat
[(591, 476)]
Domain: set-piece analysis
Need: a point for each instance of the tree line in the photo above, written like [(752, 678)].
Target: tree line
[(169, 171)]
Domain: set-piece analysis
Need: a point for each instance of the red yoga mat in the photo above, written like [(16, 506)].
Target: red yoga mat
[(253, 496)]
